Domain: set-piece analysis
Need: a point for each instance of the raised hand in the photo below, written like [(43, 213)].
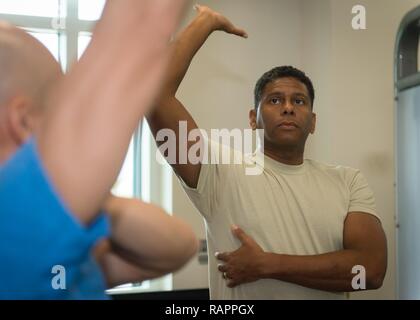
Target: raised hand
[(221, 23)]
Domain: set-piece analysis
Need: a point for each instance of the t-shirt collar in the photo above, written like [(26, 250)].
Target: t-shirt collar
[(277, 166)]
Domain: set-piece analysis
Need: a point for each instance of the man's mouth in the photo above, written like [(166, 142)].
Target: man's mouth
[(288, 125)]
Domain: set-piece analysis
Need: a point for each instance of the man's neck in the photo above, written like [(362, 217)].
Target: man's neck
[(292, 155)]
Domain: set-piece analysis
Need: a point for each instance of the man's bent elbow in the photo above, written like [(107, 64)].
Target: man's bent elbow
[(375, 281), (374, 284)]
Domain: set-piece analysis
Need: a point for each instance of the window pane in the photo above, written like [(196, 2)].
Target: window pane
[(39, 8), (48, 39), (83, 42), (90, 9)]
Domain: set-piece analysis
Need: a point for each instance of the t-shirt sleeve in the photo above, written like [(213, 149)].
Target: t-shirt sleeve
[(212, 175), (37, 231), (362, 198)]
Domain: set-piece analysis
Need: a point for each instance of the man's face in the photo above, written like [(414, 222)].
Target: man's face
[(285, 114)]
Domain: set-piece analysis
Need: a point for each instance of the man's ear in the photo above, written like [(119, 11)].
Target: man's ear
[(253, 119), (19, 119), (313, 123)]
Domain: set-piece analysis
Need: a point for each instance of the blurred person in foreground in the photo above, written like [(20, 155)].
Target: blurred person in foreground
[(63, 140)]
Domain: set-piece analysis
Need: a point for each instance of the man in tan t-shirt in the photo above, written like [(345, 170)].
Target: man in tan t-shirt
[(300, 229)]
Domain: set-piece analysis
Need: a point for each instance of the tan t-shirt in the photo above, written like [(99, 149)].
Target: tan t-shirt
[(295, 210)]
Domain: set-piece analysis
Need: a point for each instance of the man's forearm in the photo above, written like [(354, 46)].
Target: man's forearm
[(185, 47), (329, 272), (148, 236), (169, 112), (118, 269)]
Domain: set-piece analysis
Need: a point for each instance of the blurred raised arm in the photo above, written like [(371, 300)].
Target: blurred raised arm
[(96, 108)]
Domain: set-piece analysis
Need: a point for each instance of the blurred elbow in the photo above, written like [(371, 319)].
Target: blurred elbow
[(182, 251), (189, 248), (376, 279), (193, 246)]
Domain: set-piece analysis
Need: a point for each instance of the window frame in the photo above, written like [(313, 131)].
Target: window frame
[(68, 36)]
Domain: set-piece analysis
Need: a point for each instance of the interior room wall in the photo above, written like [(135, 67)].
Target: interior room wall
[(361, 110)]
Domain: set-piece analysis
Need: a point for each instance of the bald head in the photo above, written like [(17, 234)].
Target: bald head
[(27, 72), (26, 66)]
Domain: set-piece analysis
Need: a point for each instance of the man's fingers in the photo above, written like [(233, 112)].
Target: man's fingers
[(227, 26), (222, 255), (239, 32), (240, 234), (222, 267)]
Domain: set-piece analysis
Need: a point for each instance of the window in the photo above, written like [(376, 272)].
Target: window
[(83, 41), (64, 27), (90, 10), (39, 8)]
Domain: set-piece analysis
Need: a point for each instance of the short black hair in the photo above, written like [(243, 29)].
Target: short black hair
[(282, 72)]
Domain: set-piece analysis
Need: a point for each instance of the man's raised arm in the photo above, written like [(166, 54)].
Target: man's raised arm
[(96, 108), (169, 111)]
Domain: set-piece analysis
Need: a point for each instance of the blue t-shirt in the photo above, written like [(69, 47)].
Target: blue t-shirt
[(45, 253)]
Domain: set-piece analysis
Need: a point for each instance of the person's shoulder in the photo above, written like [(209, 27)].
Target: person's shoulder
[(337, 170)]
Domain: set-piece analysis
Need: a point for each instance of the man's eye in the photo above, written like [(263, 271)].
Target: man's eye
[(275, 100), (300, 102)]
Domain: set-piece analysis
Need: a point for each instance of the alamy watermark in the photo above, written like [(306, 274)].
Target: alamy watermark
[(359, 19), (224, 146), (58, 23), (359, 280), (58, 281)]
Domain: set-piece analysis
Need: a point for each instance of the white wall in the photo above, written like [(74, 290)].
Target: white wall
[(362, 106), (353, 76)]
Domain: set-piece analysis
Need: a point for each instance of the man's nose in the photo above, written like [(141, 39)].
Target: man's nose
[(288, 107)]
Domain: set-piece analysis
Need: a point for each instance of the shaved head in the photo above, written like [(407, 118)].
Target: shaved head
[(26, 66), (27, 73)]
